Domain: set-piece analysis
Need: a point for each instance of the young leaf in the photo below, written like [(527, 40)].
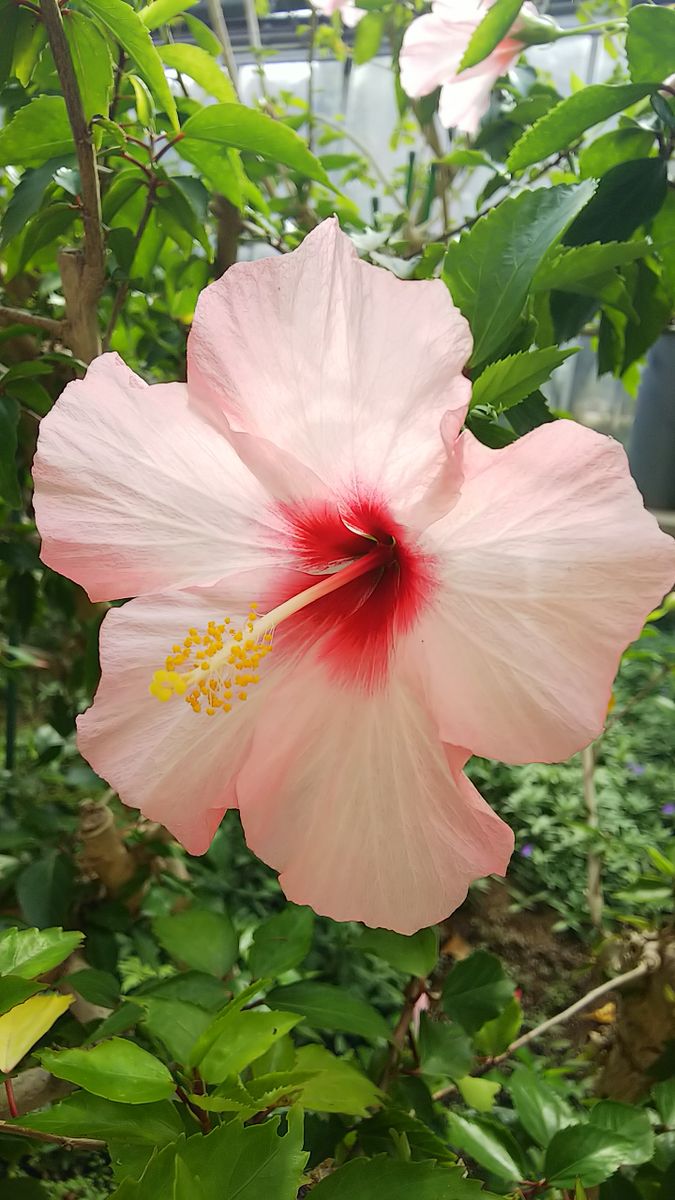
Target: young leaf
[(200, 66), (367, 38), (241, 1037), (500, 255), (584, 1152), (476, 990), (92, 61), (560, 127), (282, 941), (479, 1094), (333, 1084), (116, 1070), (24, 1025), (38, 130), (510, 380), (199, 938), (567, 267), (127, 28), (541, 1110), (414, 955), (244, 128), (324, 1006), (30, 952), (650, 43), (495, 25), (160, 11)]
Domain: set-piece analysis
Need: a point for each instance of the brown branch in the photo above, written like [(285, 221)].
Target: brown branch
[(594, 863), (19, 316), (68, 1143), (412, 994), (83, 332)]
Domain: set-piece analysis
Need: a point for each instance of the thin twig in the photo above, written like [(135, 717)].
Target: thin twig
[(219, 26), (412, 994), (124, 286), (19, 316), (68, 1143)]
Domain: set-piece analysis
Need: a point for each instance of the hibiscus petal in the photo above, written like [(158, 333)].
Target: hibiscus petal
[(334, 361), (549, 565), (433, 47), (360, 807), (175, 765), (136, 492), (466, 97)]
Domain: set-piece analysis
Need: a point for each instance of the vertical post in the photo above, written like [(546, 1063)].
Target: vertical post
[(595, 898)]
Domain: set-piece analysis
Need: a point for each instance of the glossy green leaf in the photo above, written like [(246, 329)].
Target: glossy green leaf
[(324, 1006), (496, 1035), (161, 11), (619, 145), (14, 990), (127, 28), (479, 1094), (98, 987), (9, 483), (281, 942), (562, 125), (30, 952), (628, 196), (650, 43), (191, 987), (509, 380), (86, 1115), (222, 169), (476, 990), (240, 1038), (629, 1122), (200, 66), (585, 1152), (490, 1143), (38, 130), (492, 29), (414, 955), (234, 1162), (116, 1070), (444, 1049), (368, 37), (334, 1085), (27, 197), (203, 36), (9, 18), (199, 938), (175, 1024), (385, 1179), (567, 267), (500, 255), (244, 128), (541, 1110), (92, 60), (664, 1099)]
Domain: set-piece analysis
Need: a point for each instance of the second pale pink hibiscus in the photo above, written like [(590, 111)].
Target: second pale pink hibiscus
[(416, 596), (432, 51)]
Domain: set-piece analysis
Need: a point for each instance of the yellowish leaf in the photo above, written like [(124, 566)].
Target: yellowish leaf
[(24, 1025)]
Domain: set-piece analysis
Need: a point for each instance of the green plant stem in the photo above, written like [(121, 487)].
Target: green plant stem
[(596, 27), (413, 992)]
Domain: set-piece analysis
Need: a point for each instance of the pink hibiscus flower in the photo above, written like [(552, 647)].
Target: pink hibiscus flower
[(420, 596), (433, 48), (350, 13)]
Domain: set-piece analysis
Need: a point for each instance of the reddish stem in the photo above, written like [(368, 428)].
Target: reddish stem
[(11, 1098)]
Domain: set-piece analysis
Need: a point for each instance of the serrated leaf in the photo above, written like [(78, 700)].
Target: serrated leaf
[(541, 1110), (90, 54), (200, 66), (494, 26), (500, 255), (630, 1123), (619, 145), (38, 130), (176, 1024), (281, 942), (116, 1070), (24, 1025), (510, 380), (562, 125), (375, 1135), (127, 29), (584, 1152), (335, 1085), (444, 1049), (490, 1143), (476, 990), (324, 1006), (244, 128), (650, 43), (240, 1038), (568, 266), (628, 196), (30, 952)]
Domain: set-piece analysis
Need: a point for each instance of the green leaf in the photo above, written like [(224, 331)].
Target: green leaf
[(377, 1136), (161, 11), (476, 990), (223, 170), (335, 1085), (281, 942), (492, 29), (38, 130), (500, 255), (233, 1162), (203, 36), (386, 1179), (562, 125), (238, 1038), (630, 1123), (444, 1049), (541, 1110), (416, 954), (664, 1099), (176, 1024), (584, 1152), (30, 952), (45, 889), (9, 17), (127, 28), (246, 129), (200, 939), (367, 37), (324, 1006), (620, 145), (479, 1093), (92, 61), (200, 66), (567, 267), (98, 987), (85, 1115), (509, 380), (116, 1070), (628, 196), (9, 483), (27, 198), (14, 990), (490, 1143), (495, 1036), (192, 987), (650, 43)]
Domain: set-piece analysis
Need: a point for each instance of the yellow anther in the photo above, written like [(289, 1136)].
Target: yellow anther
[(159, 692), (242, 695)]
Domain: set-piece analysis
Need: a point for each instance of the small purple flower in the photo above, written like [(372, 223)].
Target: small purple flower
[(668, 810), (636, 769), (527, 849)]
